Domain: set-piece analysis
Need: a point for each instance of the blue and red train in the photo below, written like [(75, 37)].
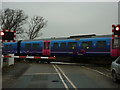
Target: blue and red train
[(84, 47), (79, 46)]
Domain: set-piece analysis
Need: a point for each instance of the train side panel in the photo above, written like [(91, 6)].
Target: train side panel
[(64, 47), (68, 47), (31, 47), (95, 47), (58, 47), (10, 48)]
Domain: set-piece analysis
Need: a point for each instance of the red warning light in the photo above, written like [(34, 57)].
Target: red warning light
[(2, 33), (117, 28)]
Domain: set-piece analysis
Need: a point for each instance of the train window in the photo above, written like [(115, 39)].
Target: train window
[(6, 47), (10, 47), (87, 45), (35, 46), (27, 46), (63, 45), (56, 45), (101, 44), (72, 45)]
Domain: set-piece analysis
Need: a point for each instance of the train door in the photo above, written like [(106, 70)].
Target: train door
[(46, 48)]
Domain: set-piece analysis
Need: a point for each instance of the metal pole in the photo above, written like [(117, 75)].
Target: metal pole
[(1, 59), (1, 62)]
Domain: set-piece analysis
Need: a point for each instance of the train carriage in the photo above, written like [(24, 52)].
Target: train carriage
[(31, 47), (97, 46), (64, 47), (10, 48), (67, 47)]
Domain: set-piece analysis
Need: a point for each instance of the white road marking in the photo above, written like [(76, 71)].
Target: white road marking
[(97, 71), (38, 73), (65, 85), (64, 63), (67, 78), (105, 69)]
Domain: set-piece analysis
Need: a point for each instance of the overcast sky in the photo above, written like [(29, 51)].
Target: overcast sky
[(65, 19)]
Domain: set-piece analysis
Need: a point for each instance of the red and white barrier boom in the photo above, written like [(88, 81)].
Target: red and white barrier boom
[(30, 57), (11, 58)]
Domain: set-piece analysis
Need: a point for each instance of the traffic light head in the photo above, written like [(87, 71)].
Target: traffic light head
[(116, 29), (8, 35)]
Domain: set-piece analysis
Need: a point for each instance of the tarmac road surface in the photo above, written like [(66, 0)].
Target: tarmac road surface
[(62, 76)]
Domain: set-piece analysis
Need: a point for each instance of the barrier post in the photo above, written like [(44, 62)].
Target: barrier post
[(1, 61), (11, 60)]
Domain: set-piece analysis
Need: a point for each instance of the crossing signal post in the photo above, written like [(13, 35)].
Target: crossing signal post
[(116, 31), (115, 49), (6, 36)]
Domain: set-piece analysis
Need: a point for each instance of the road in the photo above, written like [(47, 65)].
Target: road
[(62, 76)]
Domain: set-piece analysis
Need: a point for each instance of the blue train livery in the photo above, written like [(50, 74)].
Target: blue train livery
[(67, 47)]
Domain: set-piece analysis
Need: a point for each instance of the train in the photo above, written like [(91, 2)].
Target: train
[(82, 47)]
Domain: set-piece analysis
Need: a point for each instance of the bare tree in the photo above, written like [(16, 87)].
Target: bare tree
[(12, 20), (35, 26)]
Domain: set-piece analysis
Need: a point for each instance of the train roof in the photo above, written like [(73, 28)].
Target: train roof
[(100, 37), (73, 37)]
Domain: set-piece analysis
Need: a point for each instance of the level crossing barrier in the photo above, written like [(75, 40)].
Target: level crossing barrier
[(12, 56)]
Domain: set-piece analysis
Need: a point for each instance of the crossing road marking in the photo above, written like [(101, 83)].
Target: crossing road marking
[(38, 73), (67, 78), (58, 68), (65, 85)]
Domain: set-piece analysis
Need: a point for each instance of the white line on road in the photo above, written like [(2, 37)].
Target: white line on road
[(97, 71), (67, 78), (38, 73), (105, 69), (64, 63), (65, 85)]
